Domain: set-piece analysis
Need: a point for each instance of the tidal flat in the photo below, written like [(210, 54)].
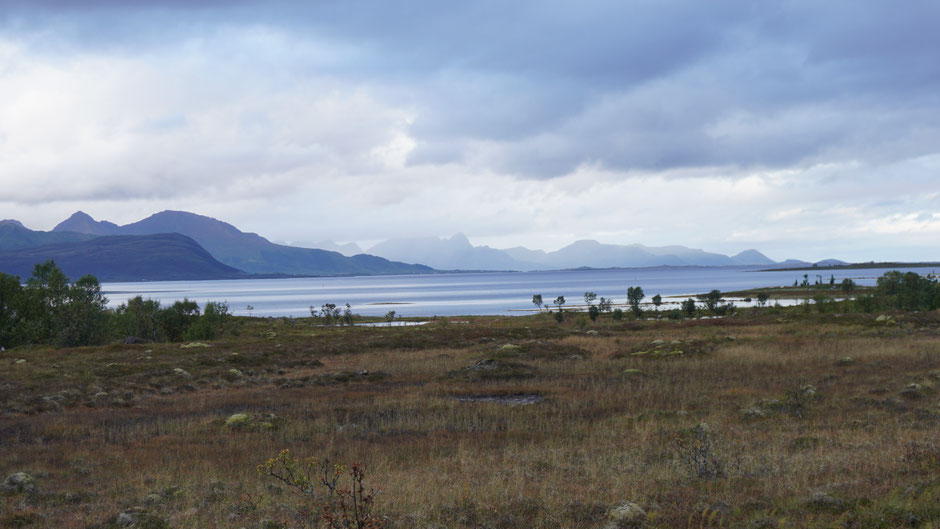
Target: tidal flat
[(775, 417)]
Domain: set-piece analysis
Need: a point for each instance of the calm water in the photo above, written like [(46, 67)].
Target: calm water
[(503, 293)]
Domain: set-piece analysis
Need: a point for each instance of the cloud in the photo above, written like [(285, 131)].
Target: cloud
[(513, 122)]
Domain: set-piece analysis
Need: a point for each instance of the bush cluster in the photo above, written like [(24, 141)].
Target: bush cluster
[(49, 309)]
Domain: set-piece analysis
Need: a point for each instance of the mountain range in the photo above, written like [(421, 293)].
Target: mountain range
[(207, 248), (457, 253), (165, 256)]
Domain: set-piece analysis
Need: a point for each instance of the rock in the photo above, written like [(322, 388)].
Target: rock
[(140, 519), (912, 391), (592, 332), (657, 342), (20, 482), (845, 361), (19, 361), (809, 391), (626, 516), (823, 502), (179, 371), (193, 344)]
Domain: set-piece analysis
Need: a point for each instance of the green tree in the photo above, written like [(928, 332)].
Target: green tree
[(762, 298), (589, 298), (83, 319), (139, 318), (593, 312), (688, 306), (211, 324), (710, 300), (537, 301), (604, 304), (657, 301), (634, 297), (176, 319), (847, 285), (11, 310), (560, 303)]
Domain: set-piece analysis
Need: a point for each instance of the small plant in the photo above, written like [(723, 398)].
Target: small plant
[(688, 306), (699, 451), (319, 482), (617, 315)]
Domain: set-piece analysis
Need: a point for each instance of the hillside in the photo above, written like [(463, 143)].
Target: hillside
[(15, 236), (249, 251), (161, 257)]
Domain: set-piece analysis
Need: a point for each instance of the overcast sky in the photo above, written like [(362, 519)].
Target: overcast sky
[(804, 129)]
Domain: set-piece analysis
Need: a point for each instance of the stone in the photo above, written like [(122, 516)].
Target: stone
[(627, 515), (19, 361), (179, 371), (20, 482), (592, 332)]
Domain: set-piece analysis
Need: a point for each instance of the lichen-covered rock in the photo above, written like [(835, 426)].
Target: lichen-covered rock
[(627, 515), (912, 391), (20, 482), (138, 518)]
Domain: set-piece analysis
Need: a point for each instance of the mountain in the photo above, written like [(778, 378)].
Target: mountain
[(831, 262), (455, 253), (349, 249), (14, 236), (253, 253), (82, 222), (752, 257), (161, 257)]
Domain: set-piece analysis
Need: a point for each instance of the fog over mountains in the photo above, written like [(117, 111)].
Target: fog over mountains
[(457, 253)]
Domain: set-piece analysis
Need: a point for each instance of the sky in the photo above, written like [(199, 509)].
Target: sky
[(804, 129)]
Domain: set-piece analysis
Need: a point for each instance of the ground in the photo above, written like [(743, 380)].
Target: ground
[(767, 418)]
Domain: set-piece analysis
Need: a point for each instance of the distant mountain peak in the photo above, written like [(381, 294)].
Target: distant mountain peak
[(81, 222), (13, 222)]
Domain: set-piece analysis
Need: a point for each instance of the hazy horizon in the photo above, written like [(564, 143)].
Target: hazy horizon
[(807, 130)]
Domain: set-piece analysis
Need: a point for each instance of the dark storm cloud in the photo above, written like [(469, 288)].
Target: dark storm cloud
[(540, 88)]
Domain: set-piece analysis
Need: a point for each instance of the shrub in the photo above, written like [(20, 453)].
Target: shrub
[(320, 483)]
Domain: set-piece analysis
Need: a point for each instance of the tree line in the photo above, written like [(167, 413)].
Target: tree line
[(894, 290), (49, 309)]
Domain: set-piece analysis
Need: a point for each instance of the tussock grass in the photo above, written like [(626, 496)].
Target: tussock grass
[(857, 450)]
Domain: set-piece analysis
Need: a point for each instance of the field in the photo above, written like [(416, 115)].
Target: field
[(770, 418)]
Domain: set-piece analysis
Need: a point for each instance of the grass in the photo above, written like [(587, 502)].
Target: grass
[(611, 426)]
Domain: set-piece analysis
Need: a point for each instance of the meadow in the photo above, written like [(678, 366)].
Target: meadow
[(775, 417)]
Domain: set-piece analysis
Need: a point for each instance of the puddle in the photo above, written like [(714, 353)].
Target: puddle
[(391, 324), (519, 399)]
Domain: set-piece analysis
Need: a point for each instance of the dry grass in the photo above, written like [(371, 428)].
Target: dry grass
[(604, 433)]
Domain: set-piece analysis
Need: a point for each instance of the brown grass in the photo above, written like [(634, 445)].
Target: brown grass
[(604, 434)]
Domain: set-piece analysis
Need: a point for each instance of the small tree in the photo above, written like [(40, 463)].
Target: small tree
[(762, 298), (657, 301), (711, 300), (848, 286), (688, 306), (589, 298), (634, 297), (593, 312), (560, 302), (604, 304), (537, 301), (390, 317)]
